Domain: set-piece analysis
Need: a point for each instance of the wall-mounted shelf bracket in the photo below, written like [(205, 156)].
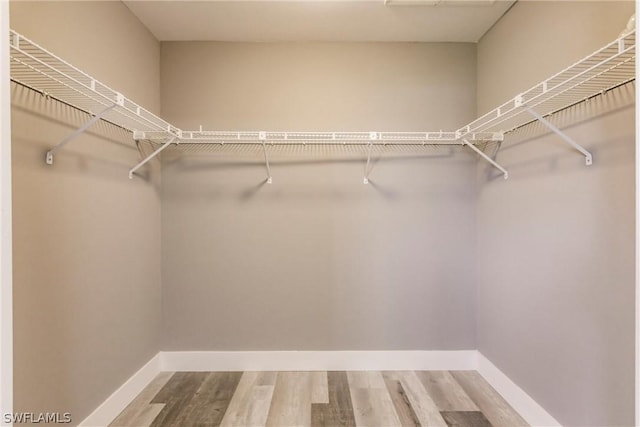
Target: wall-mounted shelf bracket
[(151, 156), (262, 136), (372, 137), (564, 136), (487, 158), (80, 130), (609, 67)]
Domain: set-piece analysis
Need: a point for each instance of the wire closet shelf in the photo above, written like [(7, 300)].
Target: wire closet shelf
[(35, 67), (609, 67), (605, 69)]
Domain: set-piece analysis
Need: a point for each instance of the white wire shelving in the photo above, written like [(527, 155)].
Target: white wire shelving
[(609, 67), (329, 138), (605, 69), (35, 67)]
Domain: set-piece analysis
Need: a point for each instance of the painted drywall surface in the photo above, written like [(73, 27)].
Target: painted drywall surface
[(318, 86), (87, 246), (318, 260), (556, 241), (6, 280)]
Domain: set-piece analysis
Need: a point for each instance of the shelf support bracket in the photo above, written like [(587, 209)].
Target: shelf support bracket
[(564, 136), (487, 158), (366, 167), (263, 137), (151, 156), (84, 127), (372, 137)]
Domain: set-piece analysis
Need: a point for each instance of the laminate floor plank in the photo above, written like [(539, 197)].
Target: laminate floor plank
[(445, 391), (493, 406), (372, 404), (366, 379), (465, 419), (146, 417), (319, 387), (137, 412), (250, 403), (319, 399), (258, 411), (406, 414), (423, 406), (339, 411), (372, 407), (176, 394), (209, 404), (267, 378), (291, 402)]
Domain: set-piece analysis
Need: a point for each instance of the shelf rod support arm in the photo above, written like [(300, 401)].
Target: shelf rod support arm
[(366, 167), (372, 137), (487, 158), (80, 130), (266, 161), (151, 156), (564, 136)]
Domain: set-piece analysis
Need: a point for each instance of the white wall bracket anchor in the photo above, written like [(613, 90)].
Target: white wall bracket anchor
[(487, 158), (84, 127), (588, 157), (151, 156)]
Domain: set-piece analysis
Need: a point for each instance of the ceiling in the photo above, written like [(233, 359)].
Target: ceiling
[(320, 20)]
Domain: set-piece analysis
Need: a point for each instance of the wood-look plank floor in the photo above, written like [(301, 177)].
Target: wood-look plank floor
[(314, 399)]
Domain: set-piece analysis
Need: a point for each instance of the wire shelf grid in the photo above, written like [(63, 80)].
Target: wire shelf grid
[(607, 68), (35, 67)]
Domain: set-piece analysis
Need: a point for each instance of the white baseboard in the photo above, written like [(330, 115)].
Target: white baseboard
[(119, 399), (463, 360), (524, 404), (317, 360)]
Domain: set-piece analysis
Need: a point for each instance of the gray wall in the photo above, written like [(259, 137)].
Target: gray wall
[(317, 260), (556, 241), (86, 239)]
